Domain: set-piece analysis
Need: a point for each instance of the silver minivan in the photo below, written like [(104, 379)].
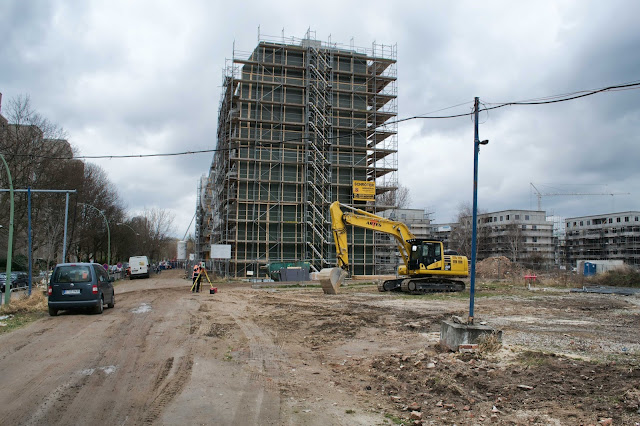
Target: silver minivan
[(80, 285)]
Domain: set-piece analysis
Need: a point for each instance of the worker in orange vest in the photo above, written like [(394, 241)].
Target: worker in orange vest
[(196, 278)]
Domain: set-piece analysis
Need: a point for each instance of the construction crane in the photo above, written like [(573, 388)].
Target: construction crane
[(555, 194)]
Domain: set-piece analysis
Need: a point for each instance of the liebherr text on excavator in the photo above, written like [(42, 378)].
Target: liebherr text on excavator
[(426, 267)]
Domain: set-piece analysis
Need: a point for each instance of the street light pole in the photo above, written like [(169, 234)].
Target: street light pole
[(108, 232), (134, 232), (124, 224), (7, 284)]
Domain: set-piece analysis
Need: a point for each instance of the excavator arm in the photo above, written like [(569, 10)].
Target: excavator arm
[(426, 268), (363, 219)]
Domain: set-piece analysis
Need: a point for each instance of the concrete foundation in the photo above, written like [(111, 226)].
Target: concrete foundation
[(453, 335)]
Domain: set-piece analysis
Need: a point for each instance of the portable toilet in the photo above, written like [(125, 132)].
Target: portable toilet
[(589, 269)]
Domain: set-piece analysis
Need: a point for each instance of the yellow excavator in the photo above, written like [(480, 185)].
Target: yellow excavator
[(426, 267)]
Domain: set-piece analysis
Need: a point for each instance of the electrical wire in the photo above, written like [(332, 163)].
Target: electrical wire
[(536, 101), (571, 96)]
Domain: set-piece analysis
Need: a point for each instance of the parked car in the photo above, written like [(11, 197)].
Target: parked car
[(80, 285), (18, 280)]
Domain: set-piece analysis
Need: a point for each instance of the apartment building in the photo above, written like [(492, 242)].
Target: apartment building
[(610, 236), (520, 235)]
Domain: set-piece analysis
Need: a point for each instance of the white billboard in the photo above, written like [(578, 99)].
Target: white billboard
[(220, 251), (182, 250)]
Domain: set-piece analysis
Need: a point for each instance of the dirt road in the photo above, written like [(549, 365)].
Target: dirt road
[(297, 357)]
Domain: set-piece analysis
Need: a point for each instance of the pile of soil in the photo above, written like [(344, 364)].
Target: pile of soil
[(496, 267), (447, 388)]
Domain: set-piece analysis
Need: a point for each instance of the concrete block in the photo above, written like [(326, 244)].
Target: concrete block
[(452, 334)]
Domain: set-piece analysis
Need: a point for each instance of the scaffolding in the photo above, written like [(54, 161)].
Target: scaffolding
[(612, 236), (197, 234), (299, 120)]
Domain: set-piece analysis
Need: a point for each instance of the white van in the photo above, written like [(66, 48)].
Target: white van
[(139, 266)]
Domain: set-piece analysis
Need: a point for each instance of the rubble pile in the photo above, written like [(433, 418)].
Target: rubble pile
[(496, 267)]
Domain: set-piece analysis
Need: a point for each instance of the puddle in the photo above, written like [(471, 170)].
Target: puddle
[(142, 309), (107, 370)]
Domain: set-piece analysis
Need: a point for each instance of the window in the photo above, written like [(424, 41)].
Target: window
[(524, 226), (72, 273), (526, 217), (610, 220), (517, 217), (636, 218), (581, 223), (501, 218), (626, 218), (495, 218), (588, 222), (618, 220), (574, 223), (534, 227), (535, 239), (508, 218), (101, 273)]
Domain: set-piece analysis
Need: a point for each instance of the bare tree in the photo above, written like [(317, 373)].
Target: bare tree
[(514, 241), (399, 198), (462, 230), (89, 231), (35, 149), (155, 225)]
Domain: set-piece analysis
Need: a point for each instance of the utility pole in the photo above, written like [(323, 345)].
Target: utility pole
[(66, 217), (474, 232)]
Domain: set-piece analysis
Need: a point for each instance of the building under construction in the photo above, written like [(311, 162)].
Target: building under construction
[(301, 123), (611, 236)]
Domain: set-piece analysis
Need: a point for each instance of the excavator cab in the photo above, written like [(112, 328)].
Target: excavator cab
[(424, 254)]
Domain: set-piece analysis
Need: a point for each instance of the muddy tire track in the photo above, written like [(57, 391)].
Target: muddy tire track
[(171, 388)]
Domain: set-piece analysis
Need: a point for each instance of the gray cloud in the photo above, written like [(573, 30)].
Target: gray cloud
[(144, 77)]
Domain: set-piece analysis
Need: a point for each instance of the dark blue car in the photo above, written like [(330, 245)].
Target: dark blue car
[(80, 285)]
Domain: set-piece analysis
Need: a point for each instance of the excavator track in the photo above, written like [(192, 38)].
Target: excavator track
[(390, 285), (430, 285)]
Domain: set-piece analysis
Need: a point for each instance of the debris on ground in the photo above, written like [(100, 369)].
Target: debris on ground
[(498, 267)]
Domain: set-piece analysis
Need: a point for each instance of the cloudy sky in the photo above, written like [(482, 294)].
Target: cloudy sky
[(140, 77)]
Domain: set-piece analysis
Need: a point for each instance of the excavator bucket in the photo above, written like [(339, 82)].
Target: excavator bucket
[(330, 279)]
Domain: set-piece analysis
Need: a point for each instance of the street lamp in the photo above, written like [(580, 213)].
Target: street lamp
[(108, 232), (134, 231), (7, 291), (124, 224)]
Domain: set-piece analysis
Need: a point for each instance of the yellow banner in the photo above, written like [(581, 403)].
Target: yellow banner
[(364, 190)]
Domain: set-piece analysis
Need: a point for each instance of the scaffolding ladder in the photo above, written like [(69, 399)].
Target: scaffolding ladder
[(318, 153)]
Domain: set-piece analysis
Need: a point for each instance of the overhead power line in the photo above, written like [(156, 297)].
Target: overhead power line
[(537, 101), (571, 96)]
